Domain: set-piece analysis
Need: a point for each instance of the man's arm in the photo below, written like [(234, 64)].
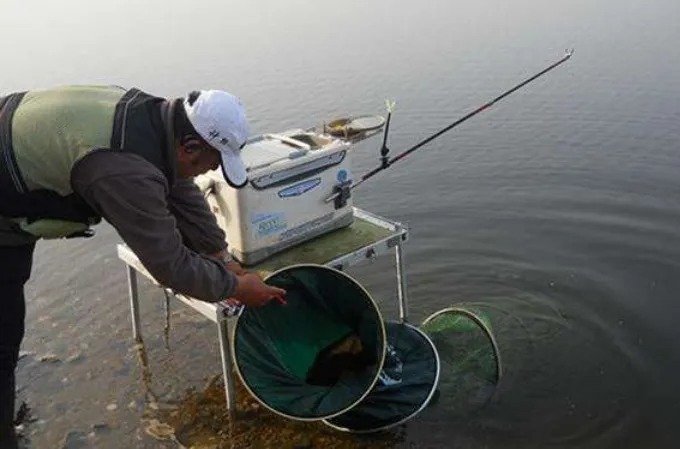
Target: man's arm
[(130, 193), (198, 225), (195, 220)]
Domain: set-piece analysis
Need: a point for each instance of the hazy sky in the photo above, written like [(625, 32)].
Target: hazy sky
[(265, 48), (43, 42)]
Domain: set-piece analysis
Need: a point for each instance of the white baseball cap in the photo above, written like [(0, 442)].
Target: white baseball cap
[(220, 119)]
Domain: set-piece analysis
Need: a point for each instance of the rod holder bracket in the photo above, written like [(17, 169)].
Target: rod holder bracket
[(342, 192)]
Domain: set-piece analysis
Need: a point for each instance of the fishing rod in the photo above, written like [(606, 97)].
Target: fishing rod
[(386, 163)]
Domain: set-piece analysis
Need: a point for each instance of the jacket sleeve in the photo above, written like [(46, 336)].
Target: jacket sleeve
[(131, 194), (195, 220)]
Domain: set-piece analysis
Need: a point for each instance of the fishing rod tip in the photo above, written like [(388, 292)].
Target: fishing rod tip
[(568, 52)]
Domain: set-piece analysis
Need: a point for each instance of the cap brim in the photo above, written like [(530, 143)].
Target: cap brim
[(233, 169)]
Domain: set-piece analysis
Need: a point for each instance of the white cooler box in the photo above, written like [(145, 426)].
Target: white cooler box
[(290, 174)]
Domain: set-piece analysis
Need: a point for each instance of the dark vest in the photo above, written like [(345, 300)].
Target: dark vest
[(44, 133)]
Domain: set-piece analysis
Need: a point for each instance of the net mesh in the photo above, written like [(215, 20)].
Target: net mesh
[(406, 384), (470, 359)]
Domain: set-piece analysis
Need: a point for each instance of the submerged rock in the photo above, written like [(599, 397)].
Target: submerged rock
[(75, 357), (100, 429), (24, 354), (74, 440), (160, 430), (49, 358)]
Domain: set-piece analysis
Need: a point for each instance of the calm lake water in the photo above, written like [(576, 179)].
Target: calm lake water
[(559, 206)]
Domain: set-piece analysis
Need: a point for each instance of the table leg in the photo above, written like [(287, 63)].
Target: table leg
[(227, 371), (402, 294), (134, 303)]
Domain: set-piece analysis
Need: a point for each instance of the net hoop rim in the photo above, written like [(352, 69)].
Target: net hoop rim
[(380, 363), (485, 327), (425, 403)]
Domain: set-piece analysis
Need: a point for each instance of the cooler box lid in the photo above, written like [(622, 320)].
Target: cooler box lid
[(268, 149)]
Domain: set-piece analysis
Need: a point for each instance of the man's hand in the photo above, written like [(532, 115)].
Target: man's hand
[(253, 292)]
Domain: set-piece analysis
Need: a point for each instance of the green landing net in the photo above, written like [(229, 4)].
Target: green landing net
[(470, 358), (318, 355), (407, 383)]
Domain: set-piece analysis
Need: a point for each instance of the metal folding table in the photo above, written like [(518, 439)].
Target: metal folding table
[(370, 236)]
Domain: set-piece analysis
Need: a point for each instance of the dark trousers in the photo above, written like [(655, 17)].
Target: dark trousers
[(15, 269)]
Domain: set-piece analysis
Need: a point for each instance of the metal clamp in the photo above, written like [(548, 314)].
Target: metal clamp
[(342, 193)]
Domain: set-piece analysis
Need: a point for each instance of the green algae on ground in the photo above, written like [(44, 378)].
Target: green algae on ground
[(202, 421)]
